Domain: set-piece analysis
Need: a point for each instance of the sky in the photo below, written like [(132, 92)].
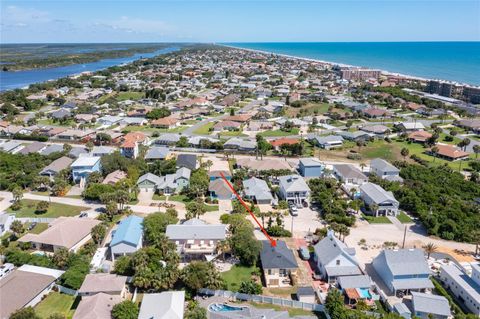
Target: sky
[(77, 21)]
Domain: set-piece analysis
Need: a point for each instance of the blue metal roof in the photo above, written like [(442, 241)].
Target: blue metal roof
[(129, 231)]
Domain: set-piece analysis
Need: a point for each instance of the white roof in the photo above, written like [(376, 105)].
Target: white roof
[(165, 305), (86, 161), (42, 271)]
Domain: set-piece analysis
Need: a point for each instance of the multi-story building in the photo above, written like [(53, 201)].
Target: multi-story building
[(357, 74), (465, 288)]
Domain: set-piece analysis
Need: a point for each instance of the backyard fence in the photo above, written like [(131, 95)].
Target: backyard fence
[(263, 299), (35, 219), (67, 291)]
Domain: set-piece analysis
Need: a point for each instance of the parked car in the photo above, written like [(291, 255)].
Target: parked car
[(293, 210), (5, 269), (305, 204), (83, 215), (304, 253), (32, 226)]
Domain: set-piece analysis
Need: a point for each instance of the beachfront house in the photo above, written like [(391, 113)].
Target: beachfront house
[(310, 167), (293, 189), (378, 201)]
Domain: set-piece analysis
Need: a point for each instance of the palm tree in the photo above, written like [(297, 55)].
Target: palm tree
[(374, 208), (224, 247), (353, 191), (429, 249), (362, 166), (434, 151), (476, 150), (404, 152), (465, 143)]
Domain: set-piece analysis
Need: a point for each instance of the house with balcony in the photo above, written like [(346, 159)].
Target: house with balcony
[(84, 166), (131, 142), (385, 170), (168, 184), (196, 239), (278, 264), (378, 201), (294, 189), (403, 271)]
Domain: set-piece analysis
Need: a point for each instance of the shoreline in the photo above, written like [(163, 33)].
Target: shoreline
[(384, 72)]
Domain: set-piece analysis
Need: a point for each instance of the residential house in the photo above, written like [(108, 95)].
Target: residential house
[(294, 189), (52, 148), (278, 264), (166, 123), (102, 150), (98, 306), (349, 174), (34, 147), (259, 165), (61, 114), (75, 135), (164, 305), (372, 112), (311, 167), (333, 259), (470, 124), (226, 126), (187, 160), (403, 270), (354, 136), (449, 152), (109, 120), (328, 142), (5, 222), (464, 287), (277, 144), (257, 190), (377, 130), (55, 167), (410, 126), (25, 287), (70, 233), (385, 170), (379, 201), (195, 239), (157, 153), (84, 166), (220, 190), (110, 284), (429, 306), (127, 238), (114, 177), (419, 136), (131, 142), (11, 147), (241, 145), (168, 184), (76, 152), (167, 139)]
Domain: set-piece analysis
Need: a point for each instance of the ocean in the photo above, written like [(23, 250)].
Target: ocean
[(454, 61)]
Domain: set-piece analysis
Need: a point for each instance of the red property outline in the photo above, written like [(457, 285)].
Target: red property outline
[(273, 242)]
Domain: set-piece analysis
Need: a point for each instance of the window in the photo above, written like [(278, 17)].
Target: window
[(338, 262)]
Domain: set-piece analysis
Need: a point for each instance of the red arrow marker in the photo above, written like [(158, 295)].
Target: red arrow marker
[(273, 242)]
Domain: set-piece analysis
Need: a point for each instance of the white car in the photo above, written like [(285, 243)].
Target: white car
[(293, 210)]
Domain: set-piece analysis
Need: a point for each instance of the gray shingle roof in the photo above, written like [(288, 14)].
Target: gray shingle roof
[(278, 257), (405, 261), (258, 188), (431, 304), (377, 193), (150, 177), (360, 281), (293, 183), (310, 162), (57, 165), (157, 153), (165, 305), (349, 171), (187, 160), (383, 165)]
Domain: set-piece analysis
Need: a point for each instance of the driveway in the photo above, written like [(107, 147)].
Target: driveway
[(225, 206), (145, 196)]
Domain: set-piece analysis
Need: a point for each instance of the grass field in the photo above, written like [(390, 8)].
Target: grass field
[(204, 129), (274, 133), (309, 108), (54, 209), (376, 220), (122, 96), (184, 199), (40, 227), (56, 303), (404, 218), (236, 275)]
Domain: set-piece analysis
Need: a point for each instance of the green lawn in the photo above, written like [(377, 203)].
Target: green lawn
[(379, 148), (56, 303), (122, 96), (376, 220), (236, 275), (293, 131), (204, 129), (211, 208), (40, 227), (54, 209), (147, 128), (404, 218), (184, 199)]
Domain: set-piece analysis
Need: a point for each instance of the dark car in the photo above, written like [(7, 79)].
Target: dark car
[(32, 226)]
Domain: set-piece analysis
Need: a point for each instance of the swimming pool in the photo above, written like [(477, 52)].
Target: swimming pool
[(219, 307), (364, 293)]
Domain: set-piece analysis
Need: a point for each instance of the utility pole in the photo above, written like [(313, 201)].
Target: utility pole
[(404, 236)]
